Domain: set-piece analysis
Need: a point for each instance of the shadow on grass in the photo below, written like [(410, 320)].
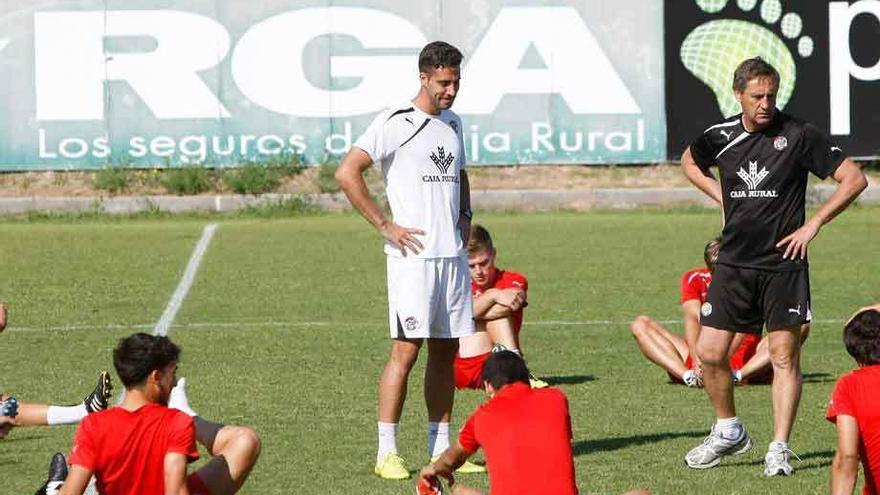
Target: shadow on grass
[(30, 436), (818, 378), (583, 447), (568, 379), (823, 457)]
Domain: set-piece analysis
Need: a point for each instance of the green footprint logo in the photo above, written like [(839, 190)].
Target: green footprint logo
[(712, 51)]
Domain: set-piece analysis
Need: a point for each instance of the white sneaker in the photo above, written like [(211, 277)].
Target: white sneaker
[(776, 462), (715, 446), (691, 379), (737, 377)]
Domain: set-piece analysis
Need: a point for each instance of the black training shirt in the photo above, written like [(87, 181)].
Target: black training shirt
[(763, 184)]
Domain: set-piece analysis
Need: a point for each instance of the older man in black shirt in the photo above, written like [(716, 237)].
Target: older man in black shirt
[(763, 157)]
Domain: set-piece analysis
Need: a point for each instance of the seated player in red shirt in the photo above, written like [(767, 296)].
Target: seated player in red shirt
[(143, 445), (499, 299), (855, 407), (525, 434), (749, 354)]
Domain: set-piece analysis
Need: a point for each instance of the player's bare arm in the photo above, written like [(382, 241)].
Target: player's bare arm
[(691, 311), (350, 176), (851, 182), (498, 303), (483, 303), (450, 460), (77, 480), (464, 218), (704, 180), (512, 298), (175, 474), (845, 466)]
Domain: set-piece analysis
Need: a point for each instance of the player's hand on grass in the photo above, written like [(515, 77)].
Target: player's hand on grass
[(796, 243), (403, 238), (512, 298)]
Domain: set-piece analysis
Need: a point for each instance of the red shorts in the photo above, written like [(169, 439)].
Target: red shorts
[(468, 371), (196, 486), (744, 352)]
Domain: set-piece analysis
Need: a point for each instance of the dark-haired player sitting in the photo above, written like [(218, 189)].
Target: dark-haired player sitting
[(144, 444), (855, 407), (524, 432)]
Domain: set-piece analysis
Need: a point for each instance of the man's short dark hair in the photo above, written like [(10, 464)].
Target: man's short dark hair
[(438, 54), (503, 368), (753, 68), (138, 355), (711, 252), (861, 336)]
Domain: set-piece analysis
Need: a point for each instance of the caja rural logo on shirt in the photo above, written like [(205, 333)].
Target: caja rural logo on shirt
[(753, 179), (442, 160)]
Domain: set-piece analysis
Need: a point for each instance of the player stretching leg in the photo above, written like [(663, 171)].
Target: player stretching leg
[(32, 414), (763, 157), (420, 147), (749, 355), (144, 444)]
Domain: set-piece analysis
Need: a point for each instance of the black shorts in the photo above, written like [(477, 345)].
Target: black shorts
[(744, 299)]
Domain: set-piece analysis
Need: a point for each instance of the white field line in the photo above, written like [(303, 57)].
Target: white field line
[(164, 323), (308, 324)]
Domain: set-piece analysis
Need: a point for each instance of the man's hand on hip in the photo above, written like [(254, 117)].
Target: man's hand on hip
[(796, 243), (403, 238)]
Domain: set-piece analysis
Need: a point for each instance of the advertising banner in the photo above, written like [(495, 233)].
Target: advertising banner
[(161, 83), (827, 54)]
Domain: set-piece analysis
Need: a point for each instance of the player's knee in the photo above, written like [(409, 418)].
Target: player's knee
[(639, 327), (404, 357), (784, 359), (248, 441), (710, 355)]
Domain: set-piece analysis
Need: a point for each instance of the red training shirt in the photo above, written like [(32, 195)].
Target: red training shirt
[(856, 395), (526, 436), (507, 280), (126, 450), (695, 284)]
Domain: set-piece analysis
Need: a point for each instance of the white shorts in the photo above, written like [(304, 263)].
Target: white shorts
[(429, 298)]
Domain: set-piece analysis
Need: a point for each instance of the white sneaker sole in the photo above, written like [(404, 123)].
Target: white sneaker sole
[(749, 445)]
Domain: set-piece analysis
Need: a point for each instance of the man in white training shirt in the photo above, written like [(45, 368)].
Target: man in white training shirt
[(420, 148)]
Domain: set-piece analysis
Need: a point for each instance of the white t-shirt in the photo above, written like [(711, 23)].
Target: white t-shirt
[(422, 157)]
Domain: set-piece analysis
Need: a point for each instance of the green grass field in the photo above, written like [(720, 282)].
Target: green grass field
[(285, 330)]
